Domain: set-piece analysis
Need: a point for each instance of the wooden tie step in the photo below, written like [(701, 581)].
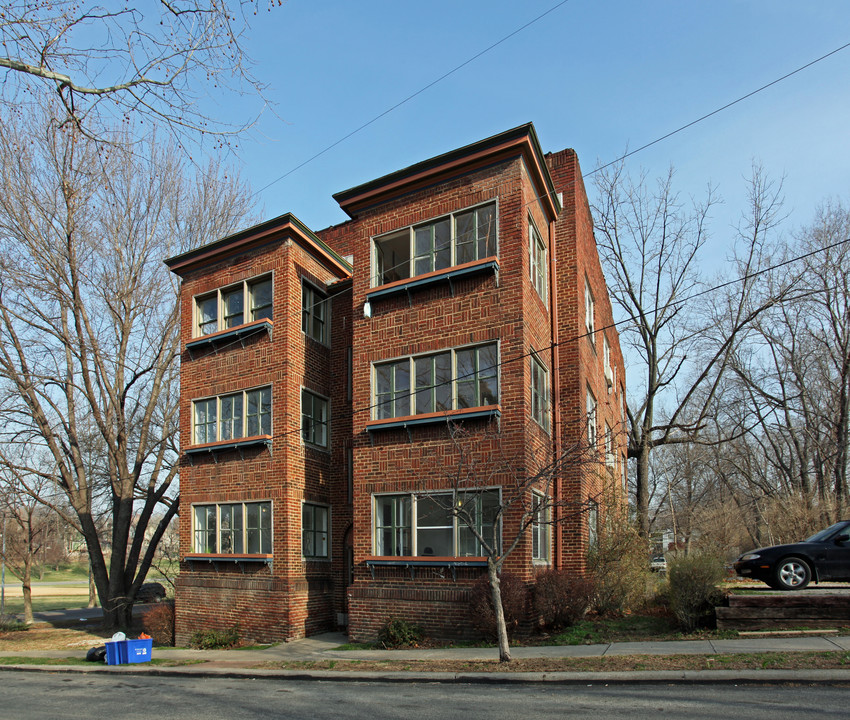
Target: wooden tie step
[(784, 610)]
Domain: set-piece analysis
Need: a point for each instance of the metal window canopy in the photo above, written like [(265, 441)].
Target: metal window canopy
[(236, 559), (410, 421), (226, 445), (412, 564), (240, 332), (476, 267)]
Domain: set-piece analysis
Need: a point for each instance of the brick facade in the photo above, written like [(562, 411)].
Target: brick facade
[(520, 299)]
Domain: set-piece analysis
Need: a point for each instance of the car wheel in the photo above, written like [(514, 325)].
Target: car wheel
[(792, 574)]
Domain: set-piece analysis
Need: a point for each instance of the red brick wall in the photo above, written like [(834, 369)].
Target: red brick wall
[(293, 597)]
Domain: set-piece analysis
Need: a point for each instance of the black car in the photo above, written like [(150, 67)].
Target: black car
[(823, 556)]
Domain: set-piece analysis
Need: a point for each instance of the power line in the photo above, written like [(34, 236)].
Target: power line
[(576, 338), (413, 95)]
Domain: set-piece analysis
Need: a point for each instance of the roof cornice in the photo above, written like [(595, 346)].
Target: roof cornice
[(279, 228), (520, 141)]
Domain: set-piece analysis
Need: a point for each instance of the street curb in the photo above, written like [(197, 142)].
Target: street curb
[(735, 677)]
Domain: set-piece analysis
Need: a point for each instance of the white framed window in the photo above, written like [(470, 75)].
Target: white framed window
[(610, 458), (541, 526), (232, 528), (244, 414), (539, 264), (315, 313), (591, 419), (592, 524), (589, 312), (539, 393), (314, 419), (315, 531), (407, 524), (608, 369), (232, 306), (441, 243), (453, 379)]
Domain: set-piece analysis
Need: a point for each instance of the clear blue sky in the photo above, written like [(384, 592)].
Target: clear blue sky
[(595, 76)]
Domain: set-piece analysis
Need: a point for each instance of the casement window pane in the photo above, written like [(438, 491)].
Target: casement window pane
[(259, 412), (442, 245), (485, 227), (434, 526), (393, 525), (465, 237), (488, 378), (205, 529), (314, 419), (480, 509), (591, 419), (260, 293), (539, 394), (465, 374), (433, 383), (314, 308), (393, 257), (205, 421), (230, 528), (233, 302), (258, 527), (392, 385), (208, 315), (231, 417), (314, 531)]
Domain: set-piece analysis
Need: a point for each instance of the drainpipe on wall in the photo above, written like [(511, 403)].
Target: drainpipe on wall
[(557, 485)]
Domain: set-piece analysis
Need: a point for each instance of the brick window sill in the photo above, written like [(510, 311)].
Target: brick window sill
[(486, 265), (409, 421)]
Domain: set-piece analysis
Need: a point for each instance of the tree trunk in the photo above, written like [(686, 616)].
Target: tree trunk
[(26, 587), (117, 614), (642, 488), (92, 590), (498, 610)]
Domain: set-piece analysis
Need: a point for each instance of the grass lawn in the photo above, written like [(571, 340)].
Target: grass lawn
[(15, 605)]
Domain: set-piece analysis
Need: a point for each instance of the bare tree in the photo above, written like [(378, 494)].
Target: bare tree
[(650, 244), (108, 64), (494, 522), (89, 332), (27, 528), (795, 376)]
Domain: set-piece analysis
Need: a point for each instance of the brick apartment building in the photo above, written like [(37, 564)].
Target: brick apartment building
[(324, 375)]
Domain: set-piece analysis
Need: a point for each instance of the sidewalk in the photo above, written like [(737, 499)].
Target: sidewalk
[(243, 663)]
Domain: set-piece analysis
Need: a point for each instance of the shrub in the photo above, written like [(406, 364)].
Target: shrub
[(514, 604), (399, 633), (692, 589), (618, 568), (158, 622), (9, 623), (215, 639), (561, 599)]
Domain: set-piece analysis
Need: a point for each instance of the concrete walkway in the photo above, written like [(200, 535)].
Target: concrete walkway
[(243, 663)]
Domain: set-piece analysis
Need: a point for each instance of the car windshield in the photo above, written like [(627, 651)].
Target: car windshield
[(824, 534)]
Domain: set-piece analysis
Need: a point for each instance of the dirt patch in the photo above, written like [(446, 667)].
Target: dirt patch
[(42, 636)]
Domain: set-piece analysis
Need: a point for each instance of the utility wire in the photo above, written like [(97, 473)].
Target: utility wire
[(413, 95), (575, 338)]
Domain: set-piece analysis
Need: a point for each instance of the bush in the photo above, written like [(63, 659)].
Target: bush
[(561, 599), (215, 639), (158, 622), (692, 589), (618, 568), (514, 604), (400, 633)]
